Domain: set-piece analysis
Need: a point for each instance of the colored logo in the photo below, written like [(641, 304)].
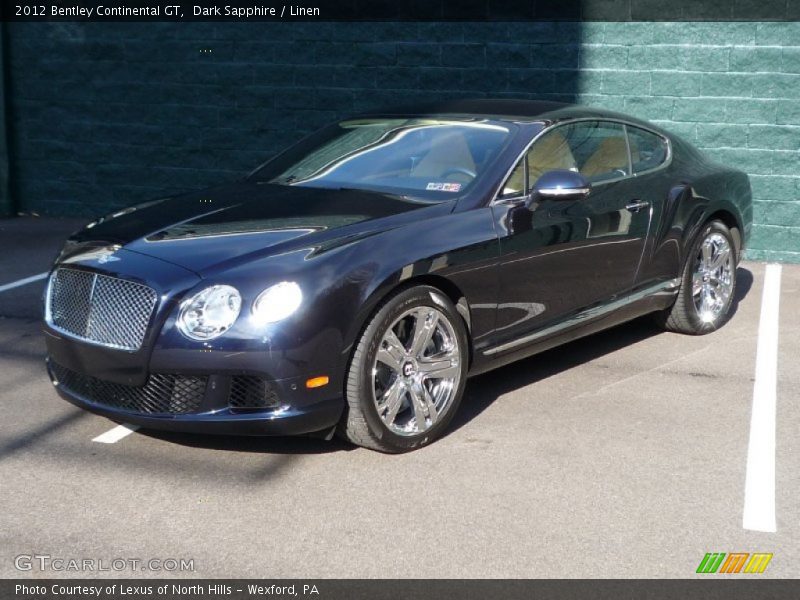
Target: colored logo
[(734, 562)]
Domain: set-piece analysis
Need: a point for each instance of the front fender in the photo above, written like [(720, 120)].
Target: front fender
[(458, 252)]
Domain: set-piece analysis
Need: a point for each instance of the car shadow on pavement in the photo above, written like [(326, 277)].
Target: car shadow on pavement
[(744, 281), (484, 389), (257, 444), (279, 454)]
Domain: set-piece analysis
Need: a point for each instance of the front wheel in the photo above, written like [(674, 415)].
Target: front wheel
[(708, 283), (407, 373)]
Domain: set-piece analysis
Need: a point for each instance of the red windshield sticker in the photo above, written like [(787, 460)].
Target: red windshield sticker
[(444, 187)]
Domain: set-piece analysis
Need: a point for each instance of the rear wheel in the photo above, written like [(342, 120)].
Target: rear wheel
[(708, 283), (407, 373)]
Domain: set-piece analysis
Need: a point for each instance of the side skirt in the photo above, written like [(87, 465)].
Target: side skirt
[(585, 322)]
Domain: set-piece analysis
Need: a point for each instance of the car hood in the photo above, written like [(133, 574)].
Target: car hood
[(203, 230)]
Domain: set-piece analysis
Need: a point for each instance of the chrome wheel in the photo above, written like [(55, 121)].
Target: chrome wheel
[(712, 281), (416, 371)]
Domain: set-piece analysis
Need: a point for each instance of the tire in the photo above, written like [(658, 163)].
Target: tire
[(693, 313), (387, 373)]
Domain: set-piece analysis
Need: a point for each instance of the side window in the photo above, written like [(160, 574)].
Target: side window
[(648, 150), (600, 149), (515, 184), (551, 151), (596, 149)]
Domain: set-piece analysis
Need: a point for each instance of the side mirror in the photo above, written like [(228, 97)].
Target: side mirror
[(561, 184)]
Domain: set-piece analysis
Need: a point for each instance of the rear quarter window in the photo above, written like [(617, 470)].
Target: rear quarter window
[(648, 150)]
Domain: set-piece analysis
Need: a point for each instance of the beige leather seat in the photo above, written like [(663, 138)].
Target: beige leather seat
[(550, 152), (611, 155), (448, 152)]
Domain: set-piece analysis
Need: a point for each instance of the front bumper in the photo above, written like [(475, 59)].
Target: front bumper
[(214, 415), (170, 382)]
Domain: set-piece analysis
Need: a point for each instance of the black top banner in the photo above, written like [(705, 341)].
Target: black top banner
[(403, 10)]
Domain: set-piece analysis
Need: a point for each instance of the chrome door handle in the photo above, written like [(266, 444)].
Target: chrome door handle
[(637, 205)]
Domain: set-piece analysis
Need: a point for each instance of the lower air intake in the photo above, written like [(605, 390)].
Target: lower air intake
[(161, 394), (252, 392)]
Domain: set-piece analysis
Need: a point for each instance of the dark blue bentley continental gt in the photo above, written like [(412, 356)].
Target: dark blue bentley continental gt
[(352, 283)]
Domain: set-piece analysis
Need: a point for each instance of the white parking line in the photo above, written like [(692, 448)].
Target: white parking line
[(21, 282), (759, 487), (112, 436)]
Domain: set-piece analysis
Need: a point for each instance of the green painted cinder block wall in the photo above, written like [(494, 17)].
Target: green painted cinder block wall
[(733, 89), (103, 115)]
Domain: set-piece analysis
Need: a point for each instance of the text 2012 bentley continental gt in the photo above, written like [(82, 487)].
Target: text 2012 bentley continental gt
[(352, 283)]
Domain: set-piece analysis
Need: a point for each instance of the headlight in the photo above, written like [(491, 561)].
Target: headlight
[(277, 302), (210, 312)]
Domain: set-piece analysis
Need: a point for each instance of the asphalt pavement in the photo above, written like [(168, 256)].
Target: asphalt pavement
[(620, 455)]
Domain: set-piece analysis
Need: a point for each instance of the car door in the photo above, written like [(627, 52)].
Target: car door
[(560, 256)]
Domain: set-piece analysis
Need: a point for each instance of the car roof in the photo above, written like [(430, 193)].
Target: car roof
[(509, 109), (480, 107)]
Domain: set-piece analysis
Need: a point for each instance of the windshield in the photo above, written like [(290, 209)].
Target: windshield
[(432, 159)]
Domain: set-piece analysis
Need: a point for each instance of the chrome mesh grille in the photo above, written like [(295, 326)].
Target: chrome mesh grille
[(101, 309)]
